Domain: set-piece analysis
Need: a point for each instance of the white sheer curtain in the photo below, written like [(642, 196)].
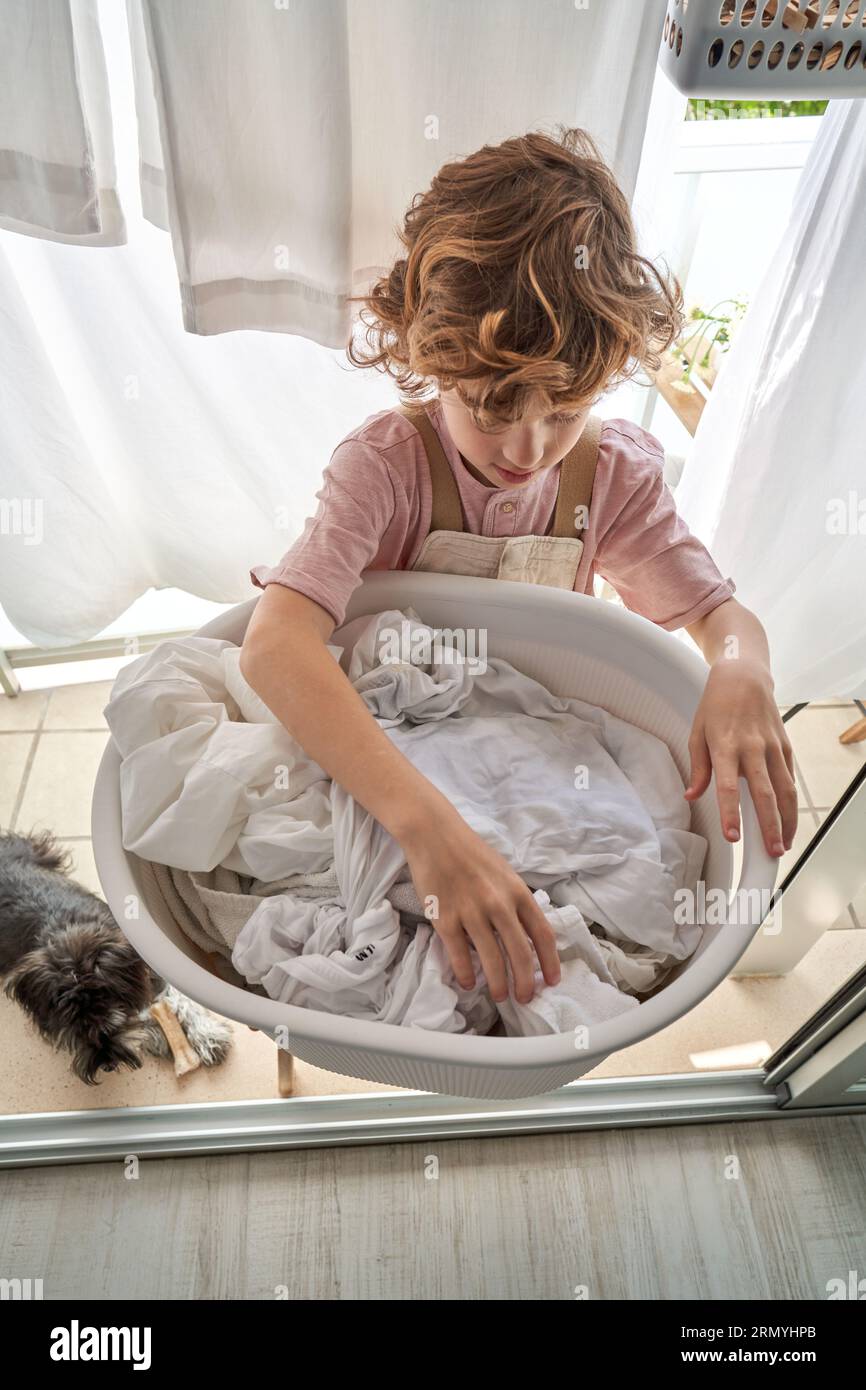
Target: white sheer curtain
[(135, 455), (776, 481)]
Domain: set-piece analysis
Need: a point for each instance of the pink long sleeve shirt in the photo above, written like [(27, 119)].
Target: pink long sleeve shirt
[(375, 506)]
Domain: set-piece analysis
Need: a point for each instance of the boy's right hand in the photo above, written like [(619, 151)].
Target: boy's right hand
[(478, 898)]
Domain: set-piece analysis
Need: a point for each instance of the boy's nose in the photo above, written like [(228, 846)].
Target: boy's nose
[(524, 452)]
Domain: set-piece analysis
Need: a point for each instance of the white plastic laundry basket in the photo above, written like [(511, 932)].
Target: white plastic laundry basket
[(760, 49), (576, 646)]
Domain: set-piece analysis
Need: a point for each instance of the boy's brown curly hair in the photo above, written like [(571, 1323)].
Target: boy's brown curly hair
[(521, 273)]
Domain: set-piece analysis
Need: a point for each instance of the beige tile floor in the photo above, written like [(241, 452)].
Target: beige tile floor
[(50, 745)]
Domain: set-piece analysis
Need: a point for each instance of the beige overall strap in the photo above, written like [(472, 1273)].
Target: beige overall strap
[(447, 514), (576, 475)]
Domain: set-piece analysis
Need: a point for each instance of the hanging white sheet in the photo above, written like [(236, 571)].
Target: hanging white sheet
[(283, 194), (57, 175)]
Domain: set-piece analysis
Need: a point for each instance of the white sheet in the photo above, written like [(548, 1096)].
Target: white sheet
[(210, 776), (282, 193), (57, 174)]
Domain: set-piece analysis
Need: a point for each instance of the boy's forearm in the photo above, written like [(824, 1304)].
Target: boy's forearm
[(732, 632), (302, 684)]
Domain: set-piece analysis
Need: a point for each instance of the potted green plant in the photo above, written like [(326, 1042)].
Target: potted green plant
[(706, 337)]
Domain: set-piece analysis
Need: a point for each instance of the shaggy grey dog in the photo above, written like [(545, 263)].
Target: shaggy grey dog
[(69, 966)]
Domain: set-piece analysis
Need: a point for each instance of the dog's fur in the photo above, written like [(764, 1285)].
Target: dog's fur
[(69, 966)]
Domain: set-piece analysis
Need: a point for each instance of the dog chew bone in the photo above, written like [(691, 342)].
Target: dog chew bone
[(185, 1059)]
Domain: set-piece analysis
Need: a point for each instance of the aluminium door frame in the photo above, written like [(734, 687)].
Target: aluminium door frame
[(387, 1117)]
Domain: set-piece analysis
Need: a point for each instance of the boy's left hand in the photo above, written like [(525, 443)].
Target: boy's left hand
[(738, 732)]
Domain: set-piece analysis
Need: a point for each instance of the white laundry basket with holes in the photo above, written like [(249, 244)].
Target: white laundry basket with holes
[(576, 646), (759, 49)]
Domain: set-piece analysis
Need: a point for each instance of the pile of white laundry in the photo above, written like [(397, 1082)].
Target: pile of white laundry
[(588, 809)]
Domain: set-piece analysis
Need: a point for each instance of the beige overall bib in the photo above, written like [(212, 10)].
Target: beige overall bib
[(552, 559)]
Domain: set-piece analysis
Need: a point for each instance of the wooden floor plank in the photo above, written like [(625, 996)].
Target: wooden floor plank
[(752, 1211)]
